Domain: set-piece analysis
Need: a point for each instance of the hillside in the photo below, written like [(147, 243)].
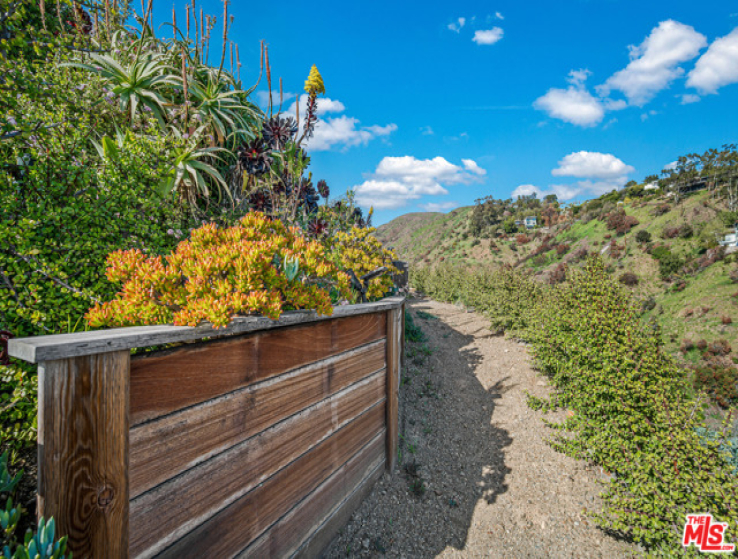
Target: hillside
[(694, 302)]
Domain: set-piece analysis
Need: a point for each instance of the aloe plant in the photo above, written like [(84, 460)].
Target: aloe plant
[(189, 173), (137, 82), (222, 110)]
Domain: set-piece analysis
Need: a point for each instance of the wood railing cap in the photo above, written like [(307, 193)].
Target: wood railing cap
[(62, 346)]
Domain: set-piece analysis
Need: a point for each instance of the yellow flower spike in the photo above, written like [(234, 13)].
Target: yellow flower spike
[(314, 84)]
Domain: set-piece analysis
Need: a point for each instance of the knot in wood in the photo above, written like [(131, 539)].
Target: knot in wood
[(105, 497)]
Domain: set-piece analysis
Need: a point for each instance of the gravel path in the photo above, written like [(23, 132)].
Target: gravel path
[(478, 479)]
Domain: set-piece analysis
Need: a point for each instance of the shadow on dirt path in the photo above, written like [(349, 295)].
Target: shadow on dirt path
[(476, 477)]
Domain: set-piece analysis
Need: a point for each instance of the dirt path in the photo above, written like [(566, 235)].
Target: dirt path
[(478, 479)]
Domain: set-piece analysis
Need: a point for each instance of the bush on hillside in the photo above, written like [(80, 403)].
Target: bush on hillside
[(661, 209), (629, 279), (634, 415), (643, 236), (720, 382)]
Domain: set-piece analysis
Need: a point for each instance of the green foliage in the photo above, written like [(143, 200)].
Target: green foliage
[(633, 413), (413, 332), (643, 236), (18, 405), (503, 295), (8, 482), (9, 518), (728, 445), (669, 263), (41, 545)]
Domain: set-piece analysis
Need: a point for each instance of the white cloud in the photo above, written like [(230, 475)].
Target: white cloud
[(457, 25), (526, 190), (471, 166), (689, 98), (344, 131), (563, 192), (337, 131), (488, 36), (718, 66), (439, 206), (655, 62), (575, 104), (499, 16), (591, 164), (325, 105), (398, 180), (426, 131)]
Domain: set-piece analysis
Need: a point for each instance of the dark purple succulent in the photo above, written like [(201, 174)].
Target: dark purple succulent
[(254, 158), (317, 227), (323, 189), (260, 201), (278, 131)]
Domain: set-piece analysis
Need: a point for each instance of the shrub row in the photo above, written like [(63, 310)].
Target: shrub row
[(633, 411)]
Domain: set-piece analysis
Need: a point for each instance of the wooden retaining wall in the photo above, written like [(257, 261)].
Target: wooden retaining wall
[(259, 443)]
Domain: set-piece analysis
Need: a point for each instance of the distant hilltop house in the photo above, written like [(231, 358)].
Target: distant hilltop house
[(730, 241), (518, 223), (530, 222), (651, 186)]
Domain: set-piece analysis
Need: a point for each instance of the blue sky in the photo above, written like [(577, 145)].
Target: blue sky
[(427, 111)]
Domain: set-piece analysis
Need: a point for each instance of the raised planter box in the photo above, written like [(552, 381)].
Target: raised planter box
[(259, 440)]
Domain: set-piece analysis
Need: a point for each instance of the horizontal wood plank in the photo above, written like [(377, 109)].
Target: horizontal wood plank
[(315, 513), (62, 346), (164, 448), (322, 536), (187, 376), (235, 527), (168, 512)]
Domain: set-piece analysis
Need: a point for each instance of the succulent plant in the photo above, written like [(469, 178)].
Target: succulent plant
[(254, 158), (291, 267), (40, 545), (317, 227), (323, 189), (7, 481), (9, 517), (277, 131)]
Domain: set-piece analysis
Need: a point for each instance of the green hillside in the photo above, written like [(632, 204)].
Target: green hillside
[(695, 302)]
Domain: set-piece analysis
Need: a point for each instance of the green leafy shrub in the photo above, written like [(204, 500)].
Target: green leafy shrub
[(629, 279), (669, 263), (643, 236), (256, 266), (413, 332), (18, 406), (634, 416)]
